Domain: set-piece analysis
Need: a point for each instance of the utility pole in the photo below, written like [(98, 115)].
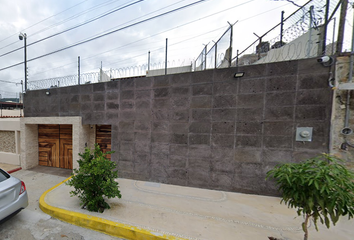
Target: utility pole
[(343, 14), (23, 36), (26, 76)]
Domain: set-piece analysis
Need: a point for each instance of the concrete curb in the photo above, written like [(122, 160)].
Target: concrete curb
[(99, 224), (14, 170)]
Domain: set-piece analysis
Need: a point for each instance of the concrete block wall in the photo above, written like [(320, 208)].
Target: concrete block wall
[(204, 129)]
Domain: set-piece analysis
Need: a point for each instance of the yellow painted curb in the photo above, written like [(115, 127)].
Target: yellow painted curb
[(99, 224)]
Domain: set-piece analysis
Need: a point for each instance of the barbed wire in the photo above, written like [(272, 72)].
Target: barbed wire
[(216, 57), (106, 75), (299, 39), (291, 43)]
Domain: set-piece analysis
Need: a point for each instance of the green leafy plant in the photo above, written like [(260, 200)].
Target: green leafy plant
[(94, 179), (321, 188)]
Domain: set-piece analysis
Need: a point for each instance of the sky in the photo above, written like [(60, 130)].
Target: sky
[(135, 27)]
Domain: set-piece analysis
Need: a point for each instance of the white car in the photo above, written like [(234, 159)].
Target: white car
[(13, 195)]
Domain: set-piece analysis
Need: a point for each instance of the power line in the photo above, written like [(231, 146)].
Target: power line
[(76, 16), (106, 34), (171, 44), (227, 9), (40, 22), (121, 46), (8, 82), (72, 17), (69, 29), (63, 21), (289, 2), (230, 8), (164, 32), (137, 18)]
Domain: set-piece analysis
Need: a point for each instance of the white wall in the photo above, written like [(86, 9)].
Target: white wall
[(8, 113), (305, 46), (158, 72)]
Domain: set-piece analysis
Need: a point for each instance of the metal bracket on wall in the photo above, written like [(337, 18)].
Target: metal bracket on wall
[(304, 134)]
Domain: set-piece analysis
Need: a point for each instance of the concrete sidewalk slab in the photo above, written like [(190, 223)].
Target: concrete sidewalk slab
[(159, 211), (9, 167)]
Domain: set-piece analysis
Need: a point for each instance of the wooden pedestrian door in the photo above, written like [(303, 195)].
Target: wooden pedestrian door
[(103, 138), (55, 145)]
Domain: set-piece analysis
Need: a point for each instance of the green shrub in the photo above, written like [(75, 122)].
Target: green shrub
[(321, 188), (94, 179)]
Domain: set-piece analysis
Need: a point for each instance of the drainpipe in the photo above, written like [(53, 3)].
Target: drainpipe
[(347, 130)]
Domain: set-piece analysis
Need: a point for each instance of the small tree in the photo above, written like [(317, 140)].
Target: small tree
[(94, 179), (320, 188)]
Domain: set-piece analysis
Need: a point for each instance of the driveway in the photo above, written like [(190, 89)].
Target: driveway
[(32, 224)]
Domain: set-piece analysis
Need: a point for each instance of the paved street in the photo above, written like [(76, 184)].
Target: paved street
[(33, 224), (157, 209)]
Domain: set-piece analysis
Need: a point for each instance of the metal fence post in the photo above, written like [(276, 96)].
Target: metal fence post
[(166, 58), (216, 54), (237, 58), (205, 57), (281, 28), (78, 70), (149, 61), (231, 34)]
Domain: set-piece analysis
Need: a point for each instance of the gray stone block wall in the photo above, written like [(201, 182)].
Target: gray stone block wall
[(204, 129)]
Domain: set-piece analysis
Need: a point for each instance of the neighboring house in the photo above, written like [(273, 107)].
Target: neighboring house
[(202, 129), (10, 109), (10, 113)]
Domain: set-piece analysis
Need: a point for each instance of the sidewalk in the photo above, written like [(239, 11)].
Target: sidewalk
[(10, 168), (158, 211)]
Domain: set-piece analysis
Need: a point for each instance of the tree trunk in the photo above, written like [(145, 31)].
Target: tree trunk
[(304, 226)]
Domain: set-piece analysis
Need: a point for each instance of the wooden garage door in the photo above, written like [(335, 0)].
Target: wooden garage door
[(55, 145), (103, 138)]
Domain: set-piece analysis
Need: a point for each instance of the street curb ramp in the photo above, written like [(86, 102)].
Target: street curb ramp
[(99, 224)]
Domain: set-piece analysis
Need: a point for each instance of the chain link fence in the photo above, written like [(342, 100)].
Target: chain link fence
[(301, 35), (218, 56)]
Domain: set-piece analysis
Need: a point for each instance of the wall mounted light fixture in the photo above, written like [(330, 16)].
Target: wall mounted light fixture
[(326, 60), (239, 74)]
